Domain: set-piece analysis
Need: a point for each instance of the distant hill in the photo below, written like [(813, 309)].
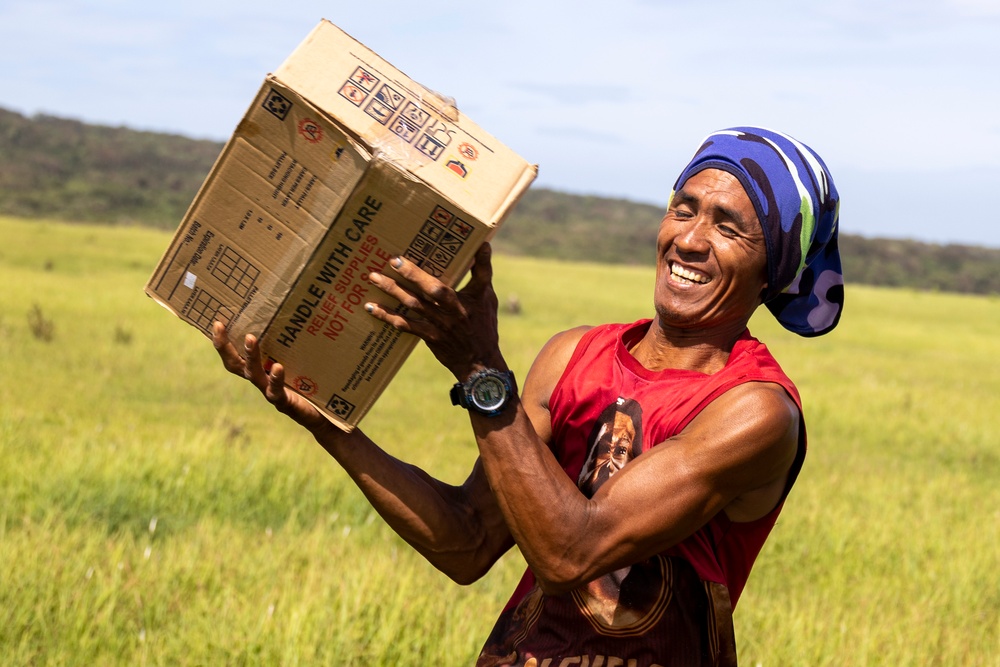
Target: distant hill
[(557, 225), (65, 169), (57, 168)]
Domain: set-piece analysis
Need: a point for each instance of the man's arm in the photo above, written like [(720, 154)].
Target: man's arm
[(734, 457), (459, 529)]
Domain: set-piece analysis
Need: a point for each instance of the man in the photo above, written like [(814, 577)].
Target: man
[(641, 560)]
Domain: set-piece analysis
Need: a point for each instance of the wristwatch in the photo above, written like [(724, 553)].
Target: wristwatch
[(487, 391)]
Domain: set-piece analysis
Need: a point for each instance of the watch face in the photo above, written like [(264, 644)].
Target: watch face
[(488, 393)]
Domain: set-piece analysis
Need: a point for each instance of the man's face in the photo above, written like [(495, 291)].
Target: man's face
[(711, 267), (612, 451)]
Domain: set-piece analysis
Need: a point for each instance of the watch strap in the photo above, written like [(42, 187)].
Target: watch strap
[(458, 394)]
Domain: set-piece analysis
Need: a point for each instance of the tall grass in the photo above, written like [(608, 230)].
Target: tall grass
[(153, 510)]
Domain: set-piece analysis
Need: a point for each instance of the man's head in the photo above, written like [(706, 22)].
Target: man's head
[(797, 206)]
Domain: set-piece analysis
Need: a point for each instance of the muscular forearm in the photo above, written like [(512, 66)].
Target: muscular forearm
[(544, 510), (458, 529)]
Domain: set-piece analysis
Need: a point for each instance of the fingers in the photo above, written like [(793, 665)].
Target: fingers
[(427, 295), (247, 365), (426, 287), (254, 367), (407, 324), (269, 380), (392, 288), (482, 269), (430, 307), (274, 390), (231, 359)]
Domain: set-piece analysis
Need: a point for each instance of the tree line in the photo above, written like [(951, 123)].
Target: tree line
[(58, 168)]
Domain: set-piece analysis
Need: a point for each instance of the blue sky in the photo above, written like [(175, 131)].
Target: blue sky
[(901, 98)]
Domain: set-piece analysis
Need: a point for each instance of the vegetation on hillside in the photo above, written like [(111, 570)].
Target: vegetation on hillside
[(904, 263), (64, 169), (56, 168), (555, 225)]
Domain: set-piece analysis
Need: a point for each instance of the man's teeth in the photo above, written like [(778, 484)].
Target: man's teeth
[(687, 275)]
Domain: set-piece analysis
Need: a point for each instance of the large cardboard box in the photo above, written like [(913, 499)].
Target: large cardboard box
[(340, 163)]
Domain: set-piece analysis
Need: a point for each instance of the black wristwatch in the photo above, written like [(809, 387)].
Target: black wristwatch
[(487, 391)]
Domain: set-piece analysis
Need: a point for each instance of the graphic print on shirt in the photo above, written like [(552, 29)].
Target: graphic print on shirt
[(630, 600), (615, 440)]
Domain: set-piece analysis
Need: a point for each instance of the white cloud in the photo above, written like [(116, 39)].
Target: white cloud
[(977, 8)]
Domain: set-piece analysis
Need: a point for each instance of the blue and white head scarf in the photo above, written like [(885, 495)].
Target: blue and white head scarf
[(798, 208)]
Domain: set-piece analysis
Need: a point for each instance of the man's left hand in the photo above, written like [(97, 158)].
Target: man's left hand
[(459, 327)]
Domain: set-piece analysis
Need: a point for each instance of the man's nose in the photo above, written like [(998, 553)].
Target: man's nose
[(693, 236)]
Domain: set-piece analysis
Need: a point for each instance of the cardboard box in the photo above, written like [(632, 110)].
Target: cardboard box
[(340, 163)]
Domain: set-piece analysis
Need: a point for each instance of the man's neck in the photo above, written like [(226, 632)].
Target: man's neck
[(705, 352)]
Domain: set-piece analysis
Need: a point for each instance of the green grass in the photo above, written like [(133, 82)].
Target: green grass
[(153, 510)]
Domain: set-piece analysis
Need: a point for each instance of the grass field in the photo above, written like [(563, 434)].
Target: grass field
[(153, 510)]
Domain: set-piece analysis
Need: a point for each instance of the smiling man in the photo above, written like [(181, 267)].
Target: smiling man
[(642, 466)]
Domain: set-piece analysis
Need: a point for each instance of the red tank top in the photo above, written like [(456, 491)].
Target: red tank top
[(674, 609)]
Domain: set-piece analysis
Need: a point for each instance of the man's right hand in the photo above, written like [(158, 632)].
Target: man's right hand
[(271, 383)]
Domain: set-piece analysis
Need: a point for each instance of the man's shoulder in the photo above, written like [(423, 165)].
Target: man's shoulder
[(570, 337), (754, 361), (556, 353), (544, 374)]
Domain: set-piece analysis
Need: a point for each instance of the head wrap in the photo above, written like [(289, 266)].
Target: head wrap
[(798, 208)]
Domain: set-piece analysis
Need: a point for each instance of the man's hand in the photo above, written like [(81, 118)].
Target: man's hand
[(459, 529), (460, 328), (271, 383)]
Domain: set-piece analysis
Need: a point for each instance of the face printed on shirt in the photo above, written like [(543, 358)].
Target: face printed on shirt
[(615, 440)]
